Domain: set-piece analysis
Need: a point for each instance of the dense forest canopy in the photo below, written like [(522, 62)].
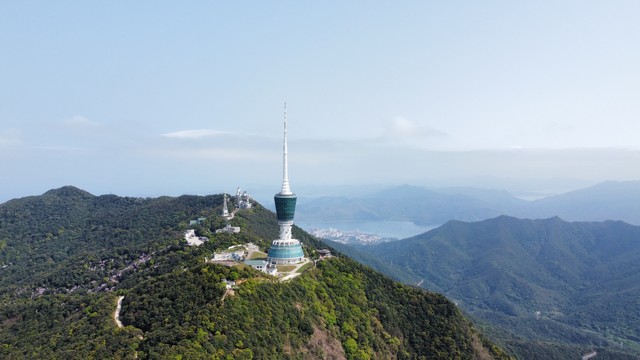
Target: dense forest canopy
[(552, 284), (67, 256)]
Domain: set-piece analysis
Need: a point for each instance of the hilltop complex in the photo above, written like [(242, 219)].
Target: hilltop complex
[(285, 250), (243, 199)]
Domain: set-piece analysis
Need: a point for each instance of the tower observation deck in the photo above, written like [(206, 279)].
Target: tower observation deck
[(285, 250)]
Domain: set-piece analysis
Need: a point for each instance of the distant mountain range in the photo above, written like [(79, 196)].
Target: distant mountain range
[(430, 206), (536, 281)]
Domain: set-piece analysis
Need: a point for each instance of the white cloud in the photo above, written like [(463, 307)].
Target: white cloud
[(229, 154), (79, 121), (406, 133), (193, 134), (219, 145), (403, 128)]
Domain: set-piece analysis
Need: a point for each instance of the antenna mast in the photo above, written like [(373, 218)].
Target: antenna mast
[(286, 190)]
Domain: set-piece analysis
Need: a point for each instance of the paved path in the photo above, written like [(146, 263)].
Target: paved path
[(116, 314), (228, 292), (295, 272)]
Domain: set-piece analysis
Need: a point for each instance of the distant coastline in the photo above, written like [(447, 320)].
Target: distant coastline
[(384, 230)]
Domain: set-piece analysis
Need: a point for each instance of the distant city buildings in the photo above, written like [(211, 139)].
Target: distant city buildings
[(347, 237)]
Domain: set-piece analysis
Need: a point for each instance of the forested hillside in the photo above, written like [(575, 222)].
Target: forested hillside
[(67, 256), (68, 237), (550, 288)]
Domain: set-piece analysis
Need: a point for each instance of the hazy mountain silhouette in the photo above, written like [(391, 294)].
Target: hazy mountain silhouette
[(606, 201)]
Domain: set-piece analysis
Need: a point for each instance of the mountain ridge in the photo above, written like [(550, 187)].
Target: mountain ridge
[(67, 258), (522, 275), (611, 200)]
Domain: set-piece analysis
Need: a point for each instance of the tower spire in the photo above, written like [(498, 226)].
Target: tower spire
[(285, 250), (286, 190)]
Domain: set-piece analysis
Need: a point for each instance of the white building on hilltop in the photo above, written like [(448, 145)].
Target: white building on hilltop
[(192, 239), (228, 229), (243, 199), (263, 265)]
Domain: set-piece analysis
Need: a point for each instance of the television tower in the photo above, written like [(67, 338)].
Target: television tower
[(285, 250)]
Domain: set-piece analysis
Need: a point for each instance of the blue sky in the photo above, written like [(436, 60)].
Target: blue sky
[(149, 98)]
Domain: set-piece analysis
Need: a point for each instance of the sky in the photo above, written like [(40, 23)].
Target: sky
[(151, 98)]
